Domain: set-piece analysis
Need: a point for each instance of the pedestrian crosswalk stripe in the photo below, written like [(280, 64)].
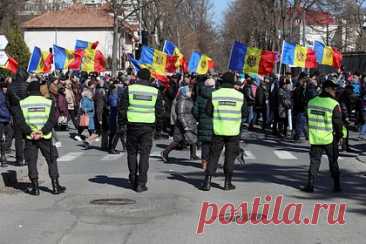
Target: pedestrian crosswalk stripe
[(70, 156), (111, 157), (249, 155), (326, 157), (284, 155)]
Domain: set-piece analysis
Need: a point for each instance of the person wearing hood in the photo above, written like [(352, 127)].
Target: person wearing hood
[(226, 107), (325, 124), (140, 108), (185, 126), (204, 121), (37, 122)]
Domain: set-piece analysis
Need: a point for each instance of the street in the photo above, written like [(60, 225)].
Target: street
[(99, 206)]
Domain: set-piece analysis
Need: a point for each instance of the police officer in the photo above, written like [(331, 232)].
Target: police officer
[(140, 107), (37, 122), (226, 108), (325, 130)]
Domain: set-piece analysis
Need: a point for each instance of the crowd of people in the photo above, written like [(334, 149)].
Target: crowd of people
[(90, 102)]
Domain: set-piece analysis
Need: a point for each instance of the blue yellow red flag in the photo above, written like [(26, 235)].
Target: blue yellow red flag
[(200, 63)]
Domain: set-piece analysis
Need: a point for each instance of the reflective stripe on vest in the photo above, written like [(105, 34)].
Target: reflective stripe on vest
[(142, 100), (320, 123), (36, 111), (227, 104)]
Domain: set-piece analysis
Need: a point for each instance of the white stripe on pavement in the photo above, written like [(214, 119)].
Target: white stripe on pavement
[(111, 157), (326, 157), (70, 156), (284, 155), (249, 155)]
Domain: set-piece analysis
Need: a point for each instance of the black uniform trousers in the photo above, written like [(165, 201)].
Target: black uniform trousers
[(19, 145), (139, 142), (232, 149), (49, 153), (316, 152)]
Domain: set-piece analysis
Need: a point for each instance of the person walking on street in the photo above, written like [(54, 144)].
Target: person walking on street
[(226, 106), (140, 107), (5, 117), (37, 122), (325, 130)]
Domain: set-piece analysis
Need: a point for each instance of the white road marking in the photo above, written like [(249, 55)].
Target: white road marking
[(249, 155), (111, 157), (70, 156), (284, 155), (325, 156)]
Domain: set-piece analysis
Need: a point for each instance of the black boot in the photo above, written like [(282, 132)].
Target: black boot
[(3, 156), (56, 187), (337, 184), (310, 185), (193, 152), (34, 189), (132, 181), (206, 186), (141, 188), (165, 154), (228, 186)]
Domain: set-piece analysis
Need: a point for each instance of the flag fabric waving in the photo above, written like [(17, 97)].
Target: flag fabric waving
[(66, 58), (92, 60), (157, 61), (171, 49), (251, 60), (135, 63), (298, 56), (200, 63), (327, 55), (40, 61), (11, 65)]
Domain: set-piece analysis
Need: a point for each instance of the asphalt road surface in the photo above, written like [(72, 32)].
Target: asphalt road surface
[(99, 206)]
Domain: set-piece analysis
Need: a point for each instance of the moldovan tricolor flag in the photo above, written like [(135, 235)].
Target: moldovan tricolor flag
[(172, 50), (93, 61), (157, 61), (66, 58), (327, 55), (200, 63), (40, 61), (298, 56), (251, 60)]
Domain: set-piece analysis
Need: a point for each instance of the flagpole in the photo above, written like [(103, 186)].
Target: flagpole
[(279, 71)]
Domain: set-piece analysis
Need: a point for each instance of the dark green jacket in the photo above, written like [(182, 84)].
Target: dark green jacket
[(205, 129)]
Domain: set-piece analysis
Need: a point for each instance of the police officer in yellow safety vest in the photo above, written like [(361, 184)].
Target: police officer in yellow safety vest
[(140, 108), (37, 122), (227, 110), (325, 130)]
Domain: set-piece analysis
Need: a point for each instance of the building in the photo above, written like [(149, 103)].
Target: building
[(83, 22)]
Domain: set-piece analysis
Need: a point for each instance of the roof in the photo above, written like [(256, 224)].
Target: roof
[(315, 17), (77, 17)]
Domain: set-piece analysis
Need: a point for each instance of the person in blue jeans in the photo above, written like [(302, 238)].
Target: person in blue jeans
[(299, 106)]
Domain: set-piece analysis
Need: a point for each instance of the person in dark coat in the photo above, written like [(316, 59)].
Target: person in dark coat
[(62, 111), (261, 102), (101, 113), (19, 88), (249, 94), (204, 121), (284, 104), (300, 103), (185, 129)]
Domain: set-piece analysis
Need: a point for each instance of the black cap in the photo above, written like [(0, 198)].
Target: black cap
[(34, 86), (330, 82), (228, 77), (144, 74)]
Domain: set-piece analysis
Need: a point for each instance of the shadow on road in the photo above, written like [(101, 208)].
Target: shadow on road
[(118, 182)]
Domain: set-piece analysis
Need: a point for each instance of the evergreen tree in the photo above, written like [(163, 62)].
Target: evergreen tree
[(17, 47)]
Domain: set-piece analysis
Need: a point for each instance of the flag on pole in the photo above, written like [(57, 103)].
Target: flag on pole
[(157, 61), (251, 60), (85, 44), (135, 63), (200, 63), (66, 58), (172, 50), (40, 61), (93, 61), (298, 56), (327, 55)]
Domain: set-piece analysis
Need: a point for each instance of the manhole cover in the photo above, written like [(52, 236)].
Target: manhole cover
[(113, 201)]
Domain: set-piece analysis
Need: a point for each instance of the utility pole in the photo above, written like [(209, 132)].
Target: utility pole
[(140, 19)]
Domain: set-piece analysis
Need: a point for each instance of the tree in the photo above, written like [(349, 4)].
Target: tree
[(17, 47)]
